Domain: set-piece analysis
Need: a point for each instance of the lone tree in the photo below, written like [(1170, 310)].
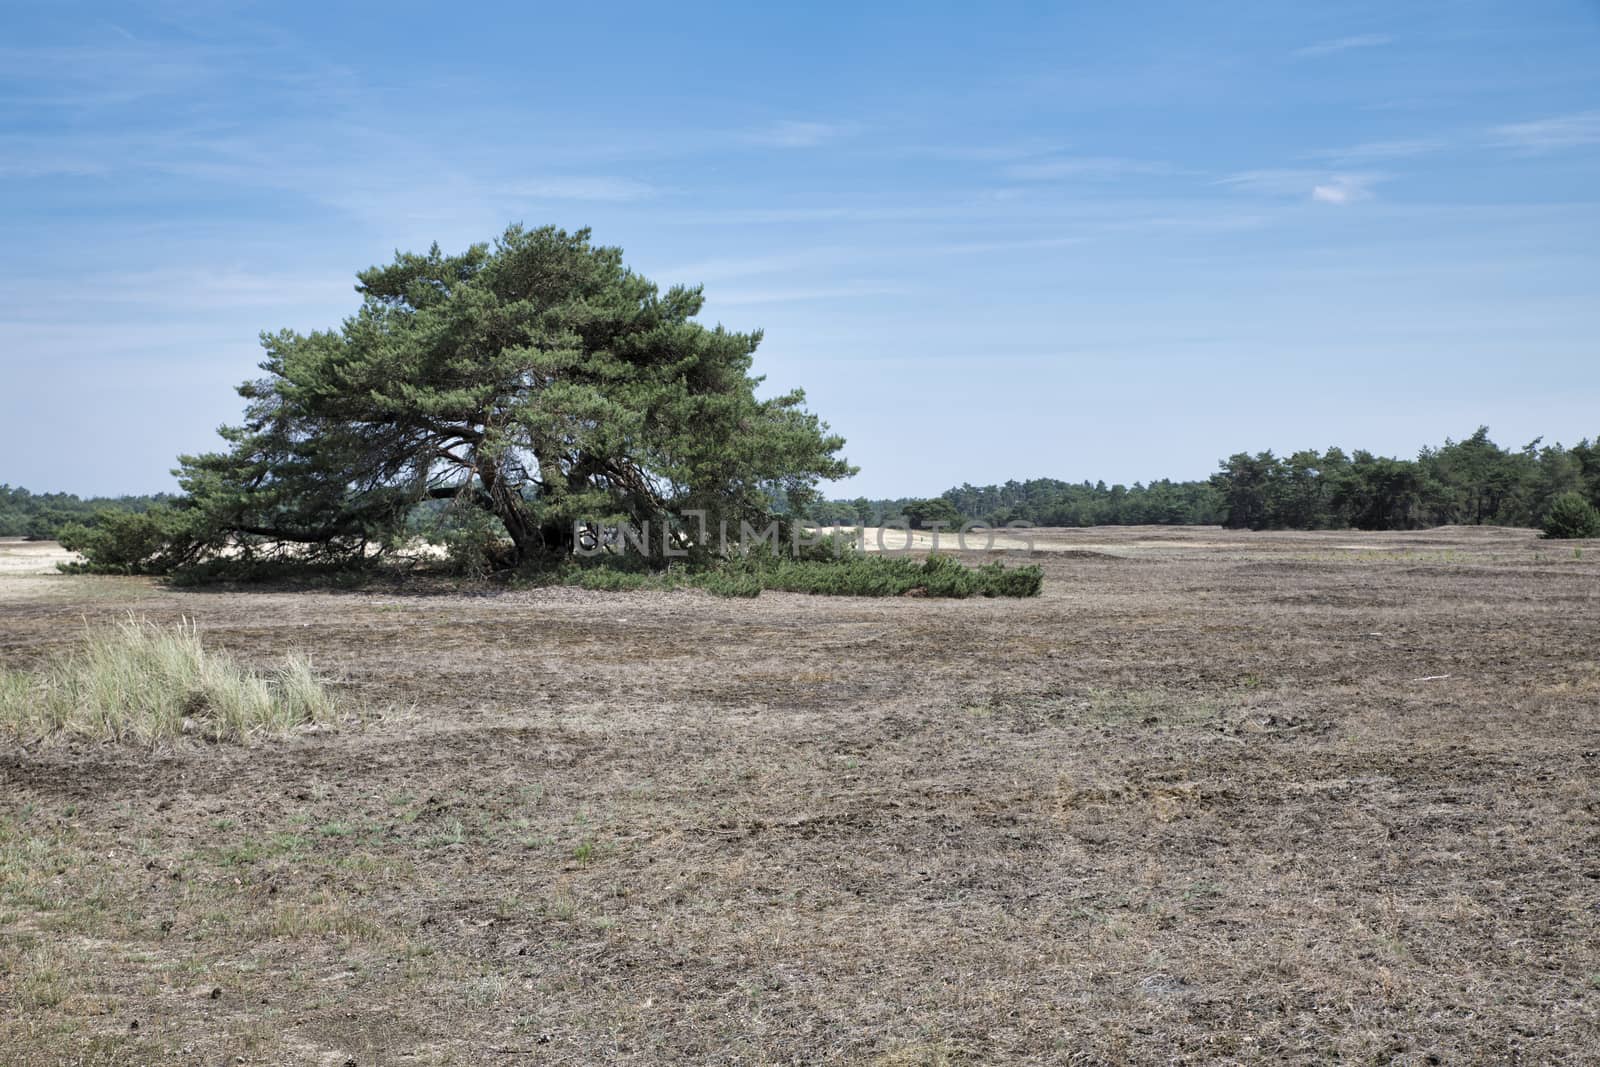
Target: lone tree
[(537, 381)]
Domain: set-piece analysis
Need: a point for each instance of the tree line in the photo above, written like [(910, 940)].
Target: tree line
[(1042, 502), (40, 516), (1473, 482)]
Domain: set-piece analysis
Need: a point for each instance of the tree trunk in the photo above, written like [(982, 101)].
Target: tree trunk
[(512, 511)]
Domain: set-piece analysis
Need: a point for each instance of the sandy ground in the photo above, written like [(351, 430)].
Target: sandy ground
[(1213, 797), (31, 557)]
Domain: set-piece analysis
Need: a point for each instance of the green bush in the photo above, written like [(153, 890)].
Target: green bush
[(1572, 516), (730, 583), (473, 541), (609, 580), (128, 542), (1016, 581), (837, 575), (935, 576)]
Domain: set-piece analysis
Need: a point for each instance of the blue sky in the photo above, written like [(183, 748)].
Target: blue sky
[(1081, 241)]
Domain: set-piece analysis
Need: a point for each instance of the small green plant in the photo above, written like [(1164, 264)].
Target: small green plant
[(139, 682)]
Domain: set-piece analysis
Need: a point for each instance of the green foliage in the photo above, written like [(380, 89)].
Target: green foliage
[(924, 514), (1571, 516), (537, 380), (850, 574), (1473, 481), (1470, 481), (131, 542), (730, 583), (999, 580), (877, 575), (834, 546), (473, 540), (1042, 502), (612, 580), (39, 516)]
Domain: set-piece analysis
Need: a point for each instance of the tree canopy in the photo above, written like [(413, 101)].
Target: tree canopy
[(535, 382)]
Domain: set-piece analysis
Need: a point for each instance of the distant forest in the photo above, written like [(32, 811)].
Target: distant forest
[(1473, 481), (40, 515)]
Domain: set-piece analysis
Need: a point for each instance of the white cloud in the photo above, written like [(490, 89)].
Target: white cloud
[(790, 134), (1340, 191), (1548, 135), (1341, 44), (1321, 186)]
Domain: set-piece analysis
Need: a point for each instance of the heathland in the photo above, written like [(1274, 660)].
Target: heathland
[(1211, 796)]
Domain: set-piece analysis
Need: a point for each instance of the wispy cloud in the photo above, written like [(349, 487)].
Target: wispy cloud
[(984, 153), (739, 298), (198, 293), (1341, 44), (1321, 186), (1551, 134), (1084, 167), (792, 134), (1372, 150), (616, 190), (823, 261), (50, 166), (723, 268)]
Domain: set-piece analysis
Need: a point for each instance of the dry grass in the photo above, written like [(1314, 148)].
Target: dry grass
[(138, 682), (1193, 804)]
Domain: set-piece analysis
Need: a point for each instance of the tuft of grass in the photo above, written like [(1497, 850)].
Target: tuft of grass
[(138, 682)]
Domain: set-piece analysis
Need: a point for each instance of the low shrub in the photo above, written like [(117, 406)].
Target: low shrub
[(610, 580), (935, 576), (143, 683), (124, 542), (729, 583), (839, 573), (999, 580), (1572, 516)]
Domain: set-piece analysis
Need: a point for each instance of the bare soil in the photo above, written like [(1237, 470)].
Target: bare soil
[(1213, 797)]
